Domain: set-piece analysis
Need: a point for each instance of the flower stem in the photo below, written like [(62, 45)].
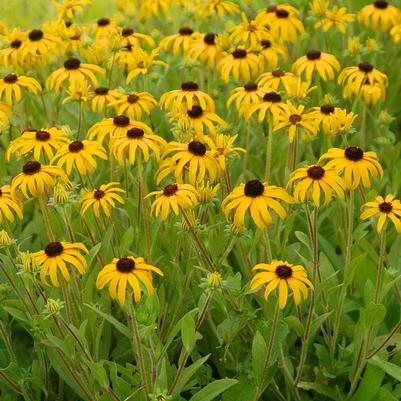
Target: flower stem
[(379, 279), (79, 118), (269, 150), (45, 213)]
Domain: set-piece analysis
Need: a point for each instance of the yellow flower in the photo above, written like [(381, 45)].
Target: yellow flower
[(258, 198), (205, 192), (11, 55), (372, 45), (5, 239), (379, 15), (327, 117), (77, 91), (112, 127), (354, 45), (282, 274), (356, 164), (271, 102), (319, 7), (214, 280), (132, 38), (11, 84), (60, 193), (9, 204), (395, 33), (102, 199), (143, 66), (104, 28), (28, 261), (5, 115), (388, 207), (249, 33), (336, 17), (372, 94), (298, 89), (314, 179), (54, 306), (134, 104), (221, 7), (275, 80), (80, 154), (179, 42), (223, 147), (325, 64), (102, 97), (271, 50), (56, 256), (206, 50), (174, 197), (244, 96), (344, 121), (39, 43), (68, 8)]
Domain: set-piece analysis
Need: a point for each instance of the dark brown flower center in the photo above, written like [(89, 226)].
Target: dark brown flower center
[(132, 98), (11, 78), (195, 112), (135, 133), (295, 118), (252, 28), (75, 146), (98, 194), (271, 9), (1, 192), (315, 172), (250, 87), (170, 190), (16, 44), (103, 22), (210, 38), (278, 73), (125, 265), (68, 23), (197, 148), (327, 109), (72, 64), (185, 31), (254, 188), (313, 54), (386, 207), (283, 271), (381, 4), (281, 13), (31, 167), (266, 44), (42, 136), (35, 35), (354, 153), (127, 32), (121, 121), (189, 86), (272, 97), (365, 67), (75, 37), (101, 90), (54, 249), (239, 53)]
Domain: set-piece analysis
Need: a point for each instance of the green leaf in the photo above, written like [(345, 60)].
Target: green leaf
[(370, 384), (374, 314), (319, 388), (99, 373), (351, 269), (212, 390), (390, 368), (259, 351), (188, 331)]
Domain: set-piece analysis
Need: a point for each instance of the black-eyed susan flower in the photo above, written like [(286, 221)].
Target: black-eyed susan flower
[(35, 178), (73, 70), (395, 34), (270, 103), (270, 52), (244, 96), (258, 198), (172, 197), (327, 117), (9, 204), (143, 66), (116, 126), (337, 17), (223, 147), (180, 41), (5, 239), (319, 7), (281, 275), (388, 207), (104, 28), (11, 85), (69, 8), (81, 155), (134, 104), (242, 64), (205, 49), (42, 143), (275, 79), (324, 63), (11, 55), (102, 199), (5, 115), (132, 37), (38, 43), (221, 7), (78, 91), (138, 138), (205, 192), (56, 256), (313, 180), (249, 33), (102, 97), (380, 15), (372, 94), (343, 121), (125, 273), (190, 161), (296, 88), (356, 164)]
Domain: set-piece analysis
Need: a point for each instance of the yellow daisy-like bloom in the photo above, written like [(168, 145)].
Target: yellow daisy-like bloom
[(129, 270), (73, 70), (257, 198), (205, 192), (104, 28), (249, 33), (319, 7), (134, 104), (128, 57), (327, 117), (388, 207), (207, 8), (9, 205), (372, 94), (275, 79), (352, 78), (143, 66), (179, 42), (281, 274), (68, 8), (36, 178), (356, 164), (325, 64), (270, 52), (244, 96), (282, 21), (298, 89), (314, 179), (379, 15), (11, 55), (223, 147), (80, 154), (78, 91), (112, 127), (102, 97), (39, 43), (344, 121), (141, 138), (295, 118), (205, 50), (11, 84), (132, 38), (336, 17), (188, 96), (241, 63), (271, 102), (172, 197), (102, 199), (56, 256), (5, 115), (395, 34), (192, 158), (43, 142)]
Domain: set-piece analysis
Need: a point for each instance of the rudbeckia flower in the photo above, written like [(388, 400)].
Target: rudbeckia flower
[(281, 274), (258, 198), (207, 8), (134, 104), (395, 34), (5, 115), (388, 207), (380, 15), (11, 84), (315, 179), (143, 66), (174, 197), (271, 102), (205, 49), (244, 96), (372, 94), (104, 28), (38, 43), (296, 88), (133, 38), (270, 52), (102, 199), (56, 256), (223, 147), (11, 55), (179, 42), (274, 80), (102, 97), (343, 121), (128, 270), (356, 164), (327, 117), (9, 205), (117, 126), (249, 33), (336, 17), (325, 64)]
